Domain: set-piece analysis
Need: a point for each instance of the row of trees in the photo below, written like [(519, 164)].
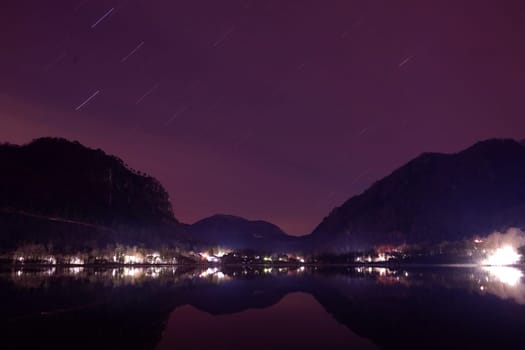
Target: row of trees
[(40, 253)]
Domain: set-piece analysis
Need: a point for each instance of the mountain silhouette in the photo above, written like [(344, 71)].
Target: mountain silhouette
[(239, 233), (57, 191), (434, 197)]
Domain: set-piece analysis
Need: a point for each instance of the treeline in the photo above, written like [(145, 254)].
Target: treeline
[(111, 254), (59, 178)]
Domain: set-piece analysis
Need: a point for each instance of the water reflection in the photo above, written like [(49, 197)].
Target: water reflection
[(510, 276), (136, 275), (301, 320), (391, 307), (504, 282)]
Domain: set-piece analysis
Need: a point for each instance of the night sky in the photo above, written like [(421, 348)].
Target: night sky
[(275, 110)]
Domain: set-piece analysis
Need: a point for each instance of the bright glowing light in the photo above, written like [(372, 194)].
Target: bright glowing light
[(502, 256), (508, 275), (380, 258), (76, 261), (155, 258), (209, 258), (221, 253), (133, 259)]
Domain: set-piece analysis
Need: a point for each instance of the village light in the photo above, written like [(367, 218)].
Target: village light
[(132, 259), (76, 261)]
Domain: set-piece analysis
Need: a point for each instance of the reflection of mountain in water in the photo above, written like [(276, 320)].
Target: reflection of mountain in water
[(297, 321), (437, 310), (417, 308)]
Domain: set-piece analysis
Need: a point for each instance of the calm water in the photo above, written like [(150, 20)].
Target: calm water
[(235, 308)]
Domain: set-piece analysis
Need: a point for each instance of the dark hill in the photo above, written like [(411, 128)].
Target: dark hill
[(432, 198), (239, 233), (53, 190)]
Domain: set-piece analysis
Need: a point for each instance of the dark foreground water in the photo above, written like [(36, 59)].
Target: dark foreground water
[(262, 308)]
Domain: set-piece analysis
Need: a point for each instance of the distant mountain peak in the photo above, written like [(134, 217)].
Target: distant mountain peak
[(221, 216), (235, 218), (493, 143), (237, 232)]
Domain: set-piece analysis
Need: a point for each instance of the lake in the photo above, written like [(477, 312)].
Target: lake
[(262, 308)]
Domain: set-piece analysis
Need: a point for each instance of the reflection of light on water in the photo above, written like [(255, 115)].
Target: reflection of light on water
[(508, 275), (209, 271), (213, 274), (504, 282), (76, 270), (132, 272), (382, 271), (502, 256), (153, 272)]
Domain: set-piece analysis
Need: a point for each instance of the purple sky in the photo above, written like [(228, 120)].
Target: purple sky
[(275, 110)]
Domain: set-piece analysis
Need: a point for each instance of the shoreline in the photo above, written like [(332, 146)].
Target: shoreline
[(356, 265)]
